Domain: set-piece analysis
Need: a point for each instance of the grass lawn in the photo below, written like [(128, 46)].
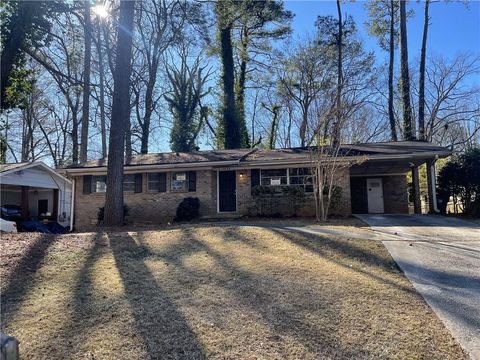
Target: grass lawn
[(206, 291)]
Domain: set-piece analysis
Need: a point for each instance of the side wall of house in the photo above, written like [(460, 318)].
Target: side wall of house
[(395, 194), (146, 206)]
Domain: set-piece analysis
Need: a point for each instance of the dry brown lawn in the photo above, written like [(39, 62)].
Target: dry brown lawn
[(218, 292)]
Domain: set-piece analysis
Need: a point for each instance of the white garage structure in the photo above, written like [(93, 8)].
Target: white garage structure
[(42, 193)]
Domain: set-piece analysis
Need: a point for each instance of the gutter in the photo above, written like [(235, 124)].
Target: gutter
[(72, 205), (251, 164), (135, 168), (349, 159)]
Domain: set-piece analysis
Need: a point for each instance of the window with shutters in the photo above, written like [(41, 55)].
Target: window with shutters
[(99, 184), (129, 183), (157, 182)]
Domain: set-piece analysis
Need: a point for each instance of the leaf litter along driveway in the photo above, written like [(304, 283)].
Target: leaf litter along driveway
[(211, 291)]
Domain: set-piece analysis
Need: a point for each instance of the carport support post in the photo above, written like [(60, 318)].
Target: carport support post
[(432, 187), (417, 207), (24, 202), (55, 205)]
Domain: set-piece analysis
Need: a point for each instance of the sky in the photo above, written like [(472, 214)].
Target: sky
[(454, 26)]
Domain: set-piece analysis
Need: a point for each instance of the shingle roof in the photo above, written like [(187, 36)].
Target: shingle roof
[(387, 148), (254, 155), (174, 158)]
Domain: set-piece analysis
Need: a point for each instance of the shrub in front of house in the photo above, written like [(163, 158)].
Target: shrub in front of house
[(295, 196), (335, 199), (188, 209), (270, 199)]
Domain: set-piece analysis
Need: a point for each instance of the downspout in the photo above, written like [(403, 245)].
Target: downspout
[(72, 205)]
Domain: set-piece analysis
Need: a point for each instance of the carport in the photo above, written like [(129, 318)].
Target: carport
[(379, 183), (40, 192)]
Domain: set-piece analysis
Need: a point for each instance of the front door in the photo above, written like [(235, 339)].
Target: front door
[(375, 196), (227, 191)]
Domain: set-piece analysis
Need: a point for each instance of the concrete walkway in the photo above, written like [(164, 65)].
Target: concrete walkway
[(441, 257)]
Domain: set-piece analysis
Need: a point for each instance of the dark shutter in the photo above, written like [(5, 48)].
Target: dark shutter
[(87, 184), (192, 181), (255, 178), (138, 183), (162, 182)]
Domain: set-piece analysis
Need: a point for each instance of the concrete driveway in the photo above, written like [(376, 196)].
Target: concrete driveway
[(441, 257)]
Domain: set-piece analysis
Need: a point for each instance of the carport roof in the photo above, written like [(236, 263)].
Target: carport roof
[(256, 156), (368, 150), (12, 166)]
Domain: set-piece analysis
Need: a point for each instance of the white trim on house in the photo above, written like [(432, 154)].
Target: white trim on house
[(240, 163), (204, 165), (72, 205)]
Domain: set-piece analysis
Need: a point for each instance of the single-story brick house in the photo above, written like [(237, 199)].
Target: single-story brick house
[(154, 184)]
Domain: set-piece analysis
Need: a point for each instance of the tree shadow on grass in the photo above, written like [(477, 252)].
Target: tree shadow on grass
[(263, 294), (22, 277), (343, 253), (163, 328), (65, 340)]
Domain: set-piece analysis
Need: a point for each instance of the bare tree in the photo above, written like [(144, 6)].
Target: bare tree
[(120, 113), (452, 108), (186, 90), (159, 25)]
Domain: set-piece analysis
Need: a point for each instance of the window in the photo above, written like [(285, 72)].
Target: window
[(99, 184), (129, 183), (179, 181), (292, 177), (301, 177), (274, 177), (157, 182), (184, 181)]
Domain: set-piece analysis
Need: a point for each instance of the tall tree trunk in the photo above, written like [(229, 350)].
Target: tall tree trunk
[(273, 128), (391, 115), (101, 75), (21, 23), (128, 140), (338, 120), (303, 126), (119, 116), (75, 136), (405, 76), (232, 136), (421, 87), (86, 82), (147, 118), (241, 90)]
